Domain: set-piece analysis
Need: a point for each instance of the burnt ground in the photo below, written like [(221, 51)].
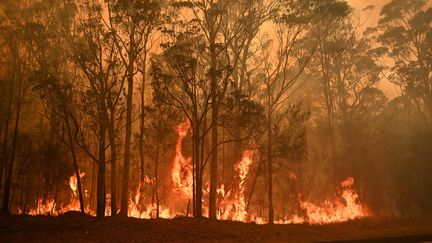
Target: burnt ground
[(73, 227)]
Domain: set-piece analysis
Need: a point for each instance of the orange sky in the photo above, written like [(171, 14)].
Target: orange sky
[(363, 3), (371, 18), (374, 14)]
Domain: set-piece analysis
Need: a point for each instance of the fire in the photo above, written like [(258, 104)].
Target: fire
[(182, 171), (73, 182), (345, 207), (233, 204), (50, 206), (136, 209), (235, 208)]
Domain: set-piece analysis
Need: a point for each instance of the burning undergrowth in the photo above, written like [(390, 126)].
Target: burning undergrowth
[(233, 203)]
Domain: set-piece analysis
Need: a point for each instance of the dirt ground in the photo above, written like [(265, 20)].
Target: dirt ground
[(72, 227)]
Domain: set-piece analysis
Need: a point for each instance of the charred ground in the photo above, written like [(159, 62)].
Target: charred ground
[(73, 227)]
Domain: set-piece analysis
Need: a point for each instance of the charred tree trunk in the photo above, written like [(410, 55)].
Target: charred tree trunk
[(9, 170), (270, 162), (129, 105), (329, 108), (198, 170), (101, 195), (113, 150), (142, 117), (5, 138), (156, 179), (214, 133), (75, 164)]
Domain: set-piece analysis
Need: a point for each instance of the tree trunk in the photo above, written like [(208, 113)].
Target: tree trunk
[(198, 174), (9, 171), (214, 134), (113, 150), (329, 108), (129, 104), (6, 135), (156, 179), (270, 163), (142, 117), (101, 195), (75, 164), (270, 157)]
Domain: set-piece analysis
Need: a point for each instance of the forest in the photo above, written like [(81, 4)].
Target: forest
[(263, 111)]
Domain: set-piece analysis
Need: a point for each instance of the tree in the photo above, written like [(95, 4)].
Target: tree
[(131, 23), (406, 33), (19, 50), (180, 82), (93, 50), (348, 64), (293, 20)]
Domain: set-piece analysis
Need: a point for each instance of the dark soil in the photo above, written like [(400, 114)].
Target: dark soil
[(72, 227)]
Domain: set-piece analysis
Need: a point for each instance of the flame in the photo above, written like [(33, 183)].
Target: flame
[(73, 182), (233, 205), (235, 208), (50, 206), (344, 208), (182, 171)]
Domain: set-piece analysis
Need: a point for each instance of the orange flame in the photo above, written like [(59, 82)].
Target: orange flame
[(50, 207), (182, 171), (73, 182), (345, 208), (235, 208)]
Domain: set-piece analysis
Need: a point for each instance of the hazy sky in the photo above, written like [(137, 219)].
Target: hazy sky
[(364, 3), (361, 4), (371, 18)]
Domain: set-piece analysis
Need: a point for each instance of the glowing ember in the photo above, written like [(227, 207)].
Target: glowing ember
[(182, 170)]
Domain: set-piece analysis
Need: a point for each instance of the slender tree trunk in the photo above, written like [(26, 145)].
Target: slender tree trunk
[(270, 164), (9, 172), (101, 194), (156, 179), (329, 108), (214, 133), (4, 158), (92, 185), (198, 177), (270, 155), (129, 105), (142, 117), (5, 148), (113, 150), (194, 166), (75, 164)]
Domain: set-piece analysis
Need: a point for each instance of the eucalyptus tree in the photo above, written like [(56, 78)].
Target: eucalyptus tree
[(223, 25), (348, 65), (406, 34), (18, 59), (131, 24), (179, 80), (95, 53), (53, 79), (287, 57)]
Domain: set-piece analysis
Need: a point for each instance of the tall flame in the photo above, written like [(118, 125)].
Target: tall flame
[(344, 208), (182, 171), (50, 207), (73, 182), (233, 206)]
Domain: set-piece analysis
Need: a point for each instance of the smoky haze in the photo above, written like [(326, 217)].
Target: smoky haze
[(279, 111)]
